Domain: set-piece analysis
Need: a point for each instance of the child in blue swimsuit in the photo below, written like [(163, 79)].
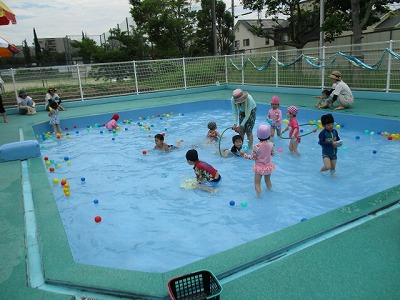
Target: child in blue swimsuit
[(329, 141)]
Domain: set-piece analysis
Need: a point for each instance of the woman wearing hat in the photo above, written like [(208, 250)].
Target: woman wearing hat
[(244, 110), (340, 91), (52, 96), (26, 106)]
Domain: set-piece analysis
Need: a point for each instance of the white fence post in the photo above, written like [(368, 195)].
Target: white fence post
[(323, 68), (184, 73), (79, 81), (389, 67), (14, 83), (136, 81), (242, 68), (276, 68), (226, 69)]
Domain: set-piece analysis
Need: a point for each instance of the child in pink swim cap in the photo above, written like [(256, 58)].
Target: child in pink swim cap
[(274, 116), (113, 122), (294, 129), (262, 153)]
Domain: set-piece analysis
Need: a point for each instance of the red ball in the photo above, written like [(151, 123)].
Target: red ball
[(46, 158), (66, 128), (59, 137), (144, 152), (74, 126), (97, 219), (163, 134), (51, 169), (390, 138)]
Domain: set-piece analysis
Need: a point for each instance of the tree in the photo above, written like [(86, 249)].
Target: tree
[(134, 45), (27, 53), (168, 24), (225, 38), (38, 49), (301, 26), (87, 48)]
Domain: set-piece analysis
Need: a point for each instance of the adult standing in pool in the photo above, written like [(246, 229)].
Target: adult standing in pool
[(244, 110), (340, 91)]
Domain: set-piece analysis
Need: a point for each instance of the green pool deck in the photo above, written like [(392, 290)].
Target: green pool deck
[(362, 262)]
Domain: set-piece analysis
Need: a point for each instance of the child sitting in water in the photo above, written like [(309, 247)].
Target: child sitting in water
[(113, 122), (161, 145), (206, 176), (237, 141), (212, 133)]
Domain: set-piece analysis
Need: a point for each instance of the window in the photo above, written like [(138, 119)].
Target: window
[(246, 42), (237, 44), (266, 41)]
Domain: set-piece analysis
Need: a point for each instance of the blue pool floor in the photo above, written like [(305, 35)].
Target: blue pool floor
[(361, 262)]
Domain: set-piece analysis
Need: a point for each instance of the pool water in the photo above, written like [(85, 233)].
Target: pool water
[(149, 223)]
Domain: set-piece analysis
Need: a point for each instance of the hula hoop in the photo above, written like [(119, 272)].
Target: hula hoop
[(301, 135), (220, 138)]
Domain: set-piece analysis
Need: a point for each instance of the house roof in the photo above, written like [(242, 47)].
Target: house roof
[(266, 23), (390, 20)]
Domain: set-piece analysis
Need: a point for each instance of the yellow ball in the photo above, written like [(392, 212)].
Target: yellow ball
[(55, 180), (140, 118), (319, 121), (285, 121), (320, 127), (311, 122), (338, 126), (66, 190), (58, 166), (117, 128), (68, 136), (66, 186), (68, 162), (67, 194), (48, 163)]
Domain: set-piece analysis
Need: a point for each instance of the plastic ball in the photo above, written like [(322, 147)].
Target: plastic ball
[(66, 128), (366, 131), (46, 158), (357, 137), (280, 150), (303, 220), (55, 180), (67, 194), (51, 169), (113, 139), (344, 148), (97, 219), (390, 138), (66, 186), (101, 131), (144, 152), (68, 136), (58, 166), (243, 204), (374, 151), (232, 203), (76, 132), (47, 163), (338, 126), (66, 190), (95, 201), (68, 162), (83, 179), (66, 158)]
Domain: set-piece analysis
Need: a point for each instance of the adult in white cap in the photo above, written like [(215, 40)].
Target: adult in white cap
[(340, 91), (244, 110)]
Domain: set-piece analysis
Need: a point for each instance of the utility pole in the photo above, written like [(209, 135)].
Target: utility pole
[(214, 28)]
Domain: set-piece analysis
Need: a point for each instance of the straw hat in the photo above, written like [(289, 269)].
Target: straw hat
[(335, 75)]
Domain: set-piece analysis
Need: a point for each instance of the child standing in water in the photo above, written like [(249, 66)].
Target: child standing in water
[(275, 116), (294, 129), (329, 141), (54, 120), (262, 153)]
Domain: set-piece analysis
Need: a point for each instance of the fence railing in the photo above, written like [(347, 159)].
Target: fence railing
[(374, 66)]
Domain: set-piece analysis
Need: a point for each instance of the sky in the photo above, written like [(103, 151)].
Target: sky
[(60, 18)]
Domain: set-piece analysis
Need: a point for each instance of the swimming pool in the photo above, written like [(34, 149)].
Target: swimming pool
[(236, 218)]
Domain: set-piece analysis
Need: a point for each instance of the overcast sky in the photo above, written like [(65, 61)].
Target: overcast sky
[(60, 18)]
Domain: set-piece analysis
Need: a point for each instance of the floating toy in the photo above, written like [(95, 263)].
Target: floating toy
[(144, 152), (97, 219), (232, 203), (55, 180), (83, 179), (51, 169), (96, 201), (189, 184), (243, 204)]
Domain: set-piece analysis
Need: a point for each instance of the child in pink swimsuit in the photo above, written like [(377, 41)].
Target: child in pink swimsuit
[(294, 129), (262, 153), (275, 116), (113, 122)]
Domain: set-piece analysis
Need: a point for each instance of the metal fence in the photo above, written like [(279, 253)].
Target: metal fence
[(374, 66)]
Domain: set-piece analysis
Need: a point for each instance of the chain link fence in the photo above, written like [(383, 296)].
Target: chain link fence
[(374, 67)]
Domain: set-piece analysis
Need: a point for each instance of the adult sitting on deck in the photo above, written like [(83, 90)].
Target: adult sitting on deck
[(26, 106), (340, 91)]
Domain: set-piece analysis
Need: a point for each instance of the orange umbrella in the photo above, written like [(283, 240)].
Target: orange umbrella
[(6, 15), (7, 49)]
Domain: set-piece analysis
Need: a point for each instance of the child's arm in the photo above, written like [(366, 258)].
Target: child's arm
[(294, 133)]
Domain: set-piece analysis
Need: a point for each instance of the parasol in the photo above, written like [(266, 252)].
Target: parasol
[(6, 15), (7, 49)]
